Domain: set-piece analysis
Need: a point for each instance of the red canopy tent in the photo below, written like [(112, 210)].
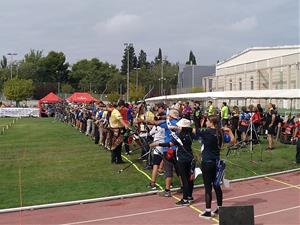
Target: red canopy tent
[(50, 98), (81, 97)]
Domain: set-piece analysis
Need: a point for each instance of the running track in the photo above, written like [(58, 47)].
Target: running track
[(276, 200)]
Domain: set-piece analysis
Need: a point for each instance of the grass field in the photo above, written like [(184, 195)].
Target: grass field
[(48, 161)]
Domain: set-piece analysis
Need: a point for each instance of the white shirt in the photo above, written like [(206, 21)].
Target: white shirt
[(158, 134)]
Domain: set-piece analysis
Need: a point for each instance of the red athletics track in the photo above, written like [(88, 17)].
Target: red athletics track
[(276, 200)]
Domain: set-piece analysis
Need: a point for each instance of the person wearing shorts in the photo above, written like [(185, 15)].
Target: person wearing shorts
[(158, 134)]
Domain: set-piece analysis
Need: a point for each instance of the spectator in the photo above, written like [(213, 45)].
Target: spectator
[(210, 109), (297, 137), (234, 121), (244, 123), (270, 125), (224, 114), (187, 111), (197, 115)]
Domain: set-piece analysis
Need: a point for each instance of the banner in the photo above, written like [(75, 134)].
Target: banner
[(19, 112)]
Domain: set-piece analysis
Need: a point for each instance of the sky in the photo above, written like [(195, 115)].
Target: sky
[(83, 29)]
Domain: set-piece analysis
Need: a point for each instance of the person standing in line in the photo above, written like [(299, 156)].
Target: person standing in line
[(117, 126), (124, 112), (158, 134), (212, 139), (169, 164), (184, 158)]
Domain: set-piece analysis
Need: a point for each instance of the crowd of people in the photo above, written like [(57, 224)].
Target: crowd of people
[(165, 135)]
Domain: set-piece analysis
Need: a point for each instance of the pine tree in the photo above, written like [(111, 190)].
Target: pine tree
[(3, 62), (142, 59), (158, 57), (192, 59), (131, 59)]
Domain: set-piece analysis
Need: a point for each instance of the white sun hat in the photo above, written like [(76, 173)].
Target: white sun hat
[(184, 123)]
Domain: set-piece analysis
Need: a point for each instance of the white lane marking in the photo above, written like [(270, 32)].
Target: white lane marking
[(253, 194), (168, 209), (123, 216), (278, 211)]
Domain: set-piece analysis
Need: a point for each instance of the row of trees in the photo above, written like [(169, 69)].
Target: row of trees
[(52, 72)]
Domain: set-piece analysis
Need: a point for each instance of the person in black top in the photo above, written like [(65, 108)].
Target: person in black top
[(184, 158), (212, 139), (270, 125), (197, 115)]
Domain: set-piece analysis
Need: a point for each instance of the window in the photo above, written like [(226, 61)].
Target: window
[(210, 83), (252, 83), (230, 84), (240, 84)]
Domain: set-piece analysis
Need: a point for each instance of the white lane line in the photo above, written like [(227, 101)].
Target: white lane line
[(253, 194), (278, 211), (123, 216), (168, 209)]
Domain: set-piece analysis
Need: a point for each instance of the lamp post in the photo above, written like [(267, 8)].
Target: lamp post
[(136, 78), (11, 62), (161, 79), (128, 45), (58, 81), (103, 92)]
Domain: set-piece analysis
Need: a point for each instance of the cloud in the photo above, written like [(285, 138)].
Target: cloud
[(119, 23), (246, 24)]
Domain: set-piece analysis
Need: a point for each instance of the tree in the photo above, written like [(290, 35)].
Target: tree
[(67, 88), (93, 74), (3, 62), (158, 58), (113, 97), (34, 56), (131, 60), (54, 67), (4, 76), (142, 60), (192, 59), (136, 94), (30, 66), (18, 89)]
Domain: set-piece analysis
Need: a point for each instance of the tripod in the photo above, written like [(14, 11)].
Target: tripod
[(251, 128)]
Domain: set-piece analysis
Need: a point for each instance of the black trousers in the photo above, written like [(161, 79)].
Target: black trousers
[(298, 151), (209, 174), (184, 169), (127, 149), (116, 154), (96, 134)]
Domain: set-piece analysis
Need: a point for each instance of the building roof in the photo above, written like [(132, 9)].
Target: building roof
[(253, 94), (258, 53)]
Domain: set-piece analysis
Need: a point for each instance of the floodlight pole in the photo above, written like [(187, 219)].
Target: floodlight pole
[(128, 45), (11, 62), (162, 77)]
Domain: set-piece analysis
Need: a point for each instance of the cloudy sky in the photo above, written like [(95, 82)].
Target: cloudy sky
[(212, 29)]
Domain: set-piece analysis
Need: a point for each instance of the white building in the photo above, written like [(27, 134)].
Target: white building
[(258, 68), (256, 75)]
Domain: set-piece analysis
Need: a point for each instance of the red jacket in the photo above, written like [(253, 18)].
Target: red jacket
[(256, 118)]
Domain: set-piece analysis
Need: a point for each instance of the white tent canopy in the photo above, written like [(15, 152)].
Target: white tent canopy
[(253, 94)]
